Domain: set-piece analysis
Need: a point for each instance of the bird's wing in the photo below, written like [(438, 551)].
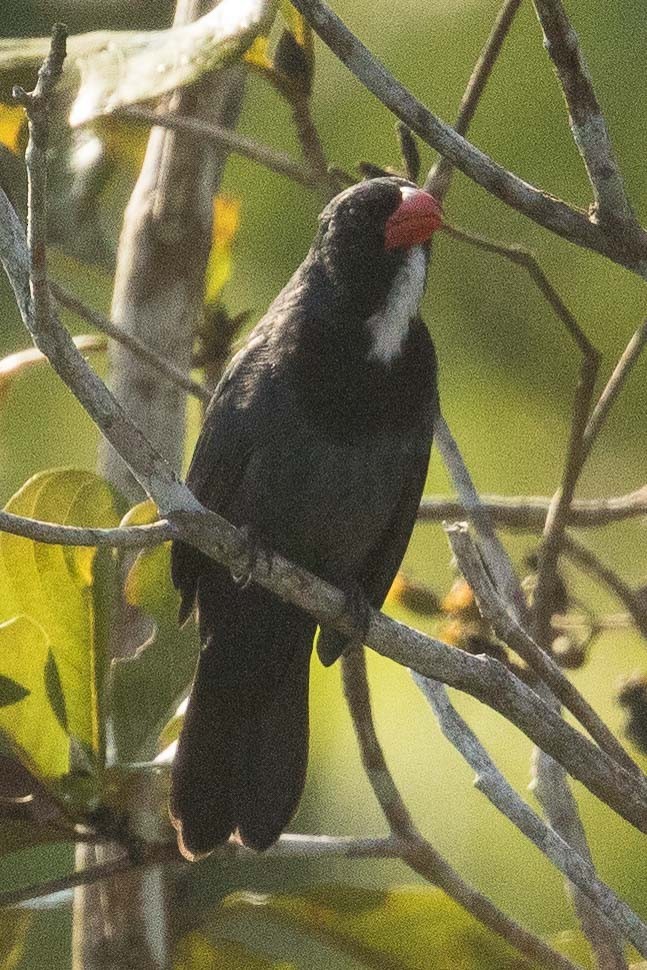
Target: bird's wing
[(221, 455), (382, 564)]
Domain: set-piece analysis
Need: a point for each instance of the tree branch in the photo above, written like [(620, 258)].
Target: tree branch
[(439, 178), (628, 249), (494, 786), (269, 158), (415, 850), (138, 347), (586, 120), (507, 629), (529, 512)]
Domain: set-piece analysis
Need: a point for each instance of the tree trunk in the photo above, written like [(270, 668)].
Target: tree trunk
[(158, 297)]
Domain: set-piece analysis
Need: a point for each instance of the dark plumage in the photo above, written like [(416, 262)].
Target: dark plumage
[(317, 438)]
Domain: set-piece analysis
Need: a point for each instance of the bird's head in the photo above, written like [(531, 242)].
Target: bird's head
[(367, 232), (373, 241)]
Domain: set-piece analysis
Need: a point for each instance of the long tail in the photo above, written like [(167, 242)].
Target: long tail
[(242, 754)]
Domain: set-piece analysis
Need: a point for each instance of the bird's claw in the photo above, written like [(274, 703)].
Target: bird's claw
[(254, 549)]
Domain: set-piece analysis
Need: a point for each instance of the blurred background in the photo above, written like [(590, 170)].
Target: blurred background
[(508, 371)]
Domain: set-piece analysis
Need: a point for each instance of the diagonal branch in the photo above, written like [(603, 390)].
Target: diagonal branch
[(413, 849), (122, 336), (439, 178), (498, 790), (507, 629), (628, 249), (586, 120)]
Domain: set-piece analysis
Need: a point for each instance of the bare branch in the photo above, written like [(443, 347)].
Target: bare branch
[(269, 158), (166, 853), (439, 178), (130, 537), (497, 559), (586, 120), (635, 603), (529, 511), (629, 249), (416, 851), (494, 786), (614, 385), (556, 799), (139, 347), (508, 630), (13, 364)]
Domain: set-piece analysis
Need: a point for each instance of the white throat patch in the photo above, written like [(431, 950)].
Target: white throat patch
[(390, 325)]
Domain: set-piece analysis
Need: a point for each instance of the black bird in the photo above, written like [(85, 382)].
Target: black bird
[(317, 439)]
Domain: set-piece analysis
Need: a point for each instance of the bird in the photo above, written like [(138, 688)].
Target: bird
[(316, 441)]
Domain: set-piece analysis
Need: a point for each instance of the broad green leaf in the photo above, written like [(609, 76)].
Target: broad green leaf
[(196, 952), (54, 586), (14, 924), (147, 687), (31, 723), (11, 691), (139, 67), (405, 928), (226, 219)]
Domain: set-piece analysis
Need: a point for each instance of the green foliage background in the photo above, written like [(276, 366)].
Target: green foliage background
[(507, 378)]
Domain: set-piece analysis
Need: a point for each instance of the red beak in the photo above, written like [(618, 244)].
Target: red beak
[(414, 220)]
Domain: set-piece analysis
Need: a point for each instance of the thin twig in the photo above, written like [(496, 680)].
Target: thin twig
[(614, 385), (13, 364), (628, 249), (508, 629), (586, 120), (416, 851), (635, 603), (270, 158), (66, 299), (494, 786), (166, 853), (529, 511), (439, 178), (125, 537)]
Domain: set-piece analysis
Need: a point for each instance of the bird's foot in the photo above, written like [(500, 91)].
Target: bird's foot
[(255, 547), (358, 609)]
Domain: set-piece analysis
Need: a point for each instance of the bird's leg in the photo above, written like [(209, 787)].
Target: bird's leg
[(358, 609), (255, 547)]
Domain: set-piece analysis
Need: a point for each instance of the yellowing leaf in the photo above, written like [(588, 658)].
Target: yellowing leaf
[(13, 128), (258, 54), (226, 219), (297, 25)]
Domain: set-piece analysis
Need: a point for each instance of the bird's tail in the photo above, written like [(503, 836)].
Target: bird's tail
[(242, 754)]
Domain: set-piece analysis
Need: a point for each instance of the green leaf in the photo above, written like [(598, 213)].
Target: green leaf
[(11, 691), (31, 723), (14, 924), (397, 929), (195, 952), (56, 588), (54, 690), (147, 687), (139, 67)]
